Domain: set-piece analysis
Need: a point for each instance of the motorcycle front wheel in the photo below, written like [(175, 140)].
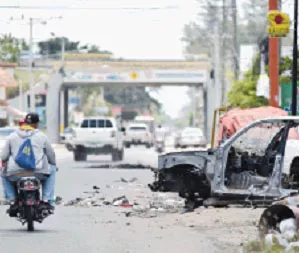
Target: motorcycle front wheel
[(29, 213)]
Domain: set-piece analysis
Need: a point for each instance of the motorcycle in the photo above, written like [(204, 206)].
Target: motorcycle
[(28, 199), (160, 145)]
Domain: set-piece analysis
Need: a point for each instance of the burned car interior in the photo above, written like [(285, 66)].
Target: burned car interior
[(242, 167), (251, 159)]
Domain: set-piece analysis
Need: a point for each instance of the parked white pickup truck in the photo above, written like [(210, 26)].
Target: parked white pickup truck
[(97, 135)]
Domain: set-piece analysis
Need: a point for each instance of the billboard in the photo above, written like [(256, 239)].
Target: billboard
[(286, 97)]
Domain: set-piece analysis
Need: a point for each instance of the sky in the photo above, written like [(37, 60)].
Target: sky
[(139, 34), (136, 33)]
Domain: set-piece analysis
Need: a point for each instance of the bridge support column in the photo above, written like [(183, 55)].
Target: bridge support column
[(205, 116), (66, 107), (52, 106), (64, 117)]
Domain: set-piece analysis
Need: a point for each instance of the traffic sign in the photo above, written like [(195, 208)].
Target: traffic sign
[(279, 24)]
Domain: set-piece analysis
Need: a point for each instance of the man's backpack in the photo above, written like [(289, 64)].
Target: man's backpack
[(25, 157)]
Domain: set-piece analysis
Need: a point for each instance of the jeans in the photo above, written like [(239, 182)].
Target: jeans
[(48, 183)]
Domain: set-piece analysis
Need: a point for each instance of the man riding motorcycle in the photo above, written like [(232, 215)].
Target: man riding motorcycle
[(45, 163)]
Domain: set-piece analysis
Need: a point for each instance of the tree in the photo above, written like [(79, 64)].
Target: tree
[(10, 48), (198, 35), (94, 49), (54, 46), (243, 92), (285, 69)]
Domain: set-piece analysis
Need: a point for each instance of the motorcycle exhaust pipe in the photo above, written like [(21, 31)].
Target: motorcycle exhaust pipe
[(44, 214)]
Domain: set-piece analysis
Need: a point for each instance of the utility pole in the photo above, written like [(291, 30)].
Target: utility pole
[(194, 105), (217, 68), (295, 58), (62, 50), (223, 51), (20, 95), (235, 44), (274, 63), (32, 97)]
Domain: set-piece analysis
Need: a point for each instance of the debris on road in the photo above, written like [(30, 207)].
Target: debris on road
[(128, 181), (121, 166), (58, 200)]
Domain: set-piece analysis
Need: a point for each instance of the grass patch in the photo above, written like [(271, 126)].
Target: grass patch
[(259, 246)]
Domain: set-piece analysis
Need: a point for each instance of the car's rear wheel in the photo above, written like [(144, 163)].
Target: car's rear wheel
[(115, 155), (121, 154), (79, 155)]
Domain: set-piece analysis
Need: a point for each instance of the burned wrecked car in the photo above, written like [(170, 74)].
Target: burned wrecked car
[(245, 169)]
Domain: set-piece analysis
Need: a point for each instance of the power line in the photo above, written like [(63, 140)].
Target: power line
[(34, 7)]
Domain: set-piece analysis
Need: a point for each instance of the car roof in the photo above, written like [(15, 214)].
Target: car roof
[(192, 128), (138, 125), (98, 117)]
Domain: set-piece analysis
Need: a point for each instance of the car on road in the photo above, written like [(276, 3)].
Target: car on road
[(4, 133), (190, 137), (138, 134), (97, 135), (66, 135)]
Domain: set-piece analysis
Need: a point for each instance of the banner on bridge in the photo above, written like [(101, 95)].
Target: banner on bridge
[(144, 76)]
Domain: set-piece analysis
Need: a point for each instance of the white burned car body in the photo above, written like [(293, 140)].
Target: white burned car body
[(242, 169)]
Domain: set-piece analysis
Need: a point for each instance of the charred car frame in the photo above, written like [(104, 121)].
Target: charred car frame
[(245, 169)]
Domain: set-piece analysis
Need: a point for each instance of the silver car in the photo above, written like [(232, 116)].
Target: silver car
[(191, 137)]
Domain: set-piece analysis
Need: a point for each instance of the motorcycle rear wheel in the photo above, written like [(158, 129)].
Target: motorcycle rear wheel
[(29, 212)]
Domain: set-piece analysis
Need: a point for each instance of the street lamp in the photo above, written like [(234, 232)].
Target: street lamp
[(32, 97), (32, 21)]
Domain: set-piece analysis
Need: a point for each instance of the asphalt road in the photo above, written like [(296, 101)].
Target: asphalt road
[(106, 228)]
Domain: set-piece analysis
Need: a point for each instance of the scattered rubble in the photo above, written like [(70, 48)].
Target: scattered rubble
[(58, 200), (121, 166), (128, 181)]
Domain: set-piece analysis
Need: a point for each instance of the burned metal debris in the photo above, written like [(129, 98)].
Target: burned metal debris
[(246, 169)]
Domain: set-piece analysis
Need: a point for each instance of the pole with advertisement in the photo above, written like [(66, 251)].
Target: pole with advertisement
[(279, 26)]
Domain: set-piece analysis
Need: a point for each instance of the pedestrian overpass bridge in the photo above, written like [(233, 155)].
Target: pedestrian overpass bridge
[(122, 73)]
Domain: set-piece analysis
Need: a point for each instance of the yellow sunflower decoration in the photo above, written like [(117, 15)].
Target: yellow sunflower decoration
[(133, 75)]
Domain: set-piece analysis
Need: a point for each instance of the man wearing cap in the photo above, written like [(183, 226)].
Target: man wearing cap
[(45, 162)]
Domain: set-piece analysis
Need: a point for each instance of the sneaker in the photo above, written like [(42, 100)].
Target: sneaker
[(46, 205)]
